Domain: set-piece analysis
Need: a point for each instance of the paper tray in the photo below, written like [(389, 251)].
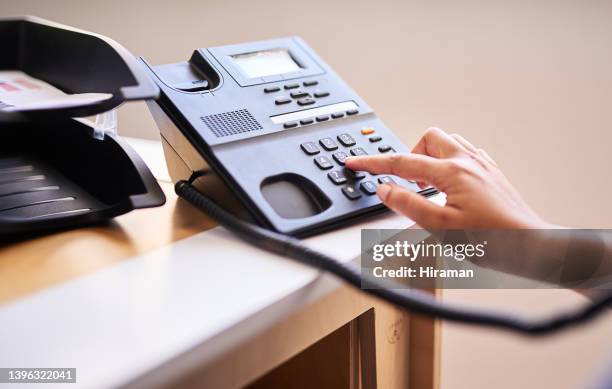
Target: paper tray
[(65, 177), (73, 61)]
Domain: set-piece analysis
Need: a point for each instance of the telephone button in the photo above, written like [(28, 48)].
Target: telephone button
[(354, 175), (290, 124), (299, 93), (337, 115), (375, 138), (306, 121), (386, 180), (282, 100), (358, 151), (271, 89), (306, 101), (352, 112), (328, 144), (368, 187), (340, 157), (346, 140), (323, 162), (367, 131), (337, 177), (319, 94), (310, 83), (351, 192), (310, 148), (385, 148), (322, 118), (292, 86)]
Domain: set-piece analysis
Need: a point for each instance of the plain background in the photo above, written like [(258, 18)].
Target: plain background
[(528, 81)]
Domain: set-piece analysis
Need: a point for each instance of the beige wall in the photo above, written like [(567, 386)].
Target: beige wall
[(529, 81)]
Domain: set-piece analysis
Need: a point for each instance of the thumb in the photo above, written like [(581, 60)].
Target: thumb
[(416, 207)]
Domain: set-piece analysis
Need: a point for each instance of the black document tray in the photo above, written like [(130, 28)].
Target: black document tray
[(53, 172)]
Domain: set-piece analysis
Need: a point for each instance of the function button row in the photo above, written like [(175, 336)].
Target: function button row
[(310, 83), (282, 100), (271, 89), (291, 86), (328, 144)]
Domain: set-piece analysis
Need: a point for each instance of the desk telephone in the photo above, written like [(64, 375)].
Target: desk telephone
[(275, 123)]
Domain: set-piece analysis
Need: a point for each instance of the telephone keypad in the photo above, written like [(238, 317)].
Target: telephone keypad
[(328, 144), (323, 162), (337, 177), (358, 185)]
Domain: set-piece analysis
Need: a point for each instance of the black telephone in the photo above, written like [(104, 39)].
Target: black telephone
[(275, 123)]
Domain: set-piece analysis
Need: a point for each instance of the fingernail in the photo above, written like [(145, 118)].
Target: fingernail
[(383, 191)]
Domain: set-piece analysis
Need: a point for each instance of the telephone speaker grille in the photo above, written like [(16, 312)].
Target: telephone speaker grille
[(231, 123)]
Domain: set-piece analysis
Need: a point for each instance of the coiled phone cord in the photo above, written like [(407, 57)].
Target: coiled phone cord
[(410, 299)]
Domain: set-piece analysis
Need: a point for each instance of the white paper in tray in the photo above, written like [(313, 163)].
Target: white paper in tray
[(20, 92)]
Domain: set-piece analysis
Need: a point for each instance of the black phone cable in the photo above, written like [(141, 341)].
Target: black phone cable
[(410, 299)]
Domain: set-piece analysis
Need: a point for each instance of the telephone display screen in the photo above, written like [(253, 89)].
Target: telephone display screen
[(266, 63)]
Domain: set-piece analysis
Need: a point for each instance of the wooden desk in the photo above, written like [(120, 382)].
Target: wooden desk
[(160, 297)]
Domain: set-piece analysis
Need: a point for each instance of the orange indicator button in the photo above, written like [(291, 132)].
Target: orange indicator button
[(367, 131)]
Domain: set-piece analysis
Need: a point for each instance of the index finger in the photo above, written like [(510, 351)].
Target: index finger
[(408, 166)]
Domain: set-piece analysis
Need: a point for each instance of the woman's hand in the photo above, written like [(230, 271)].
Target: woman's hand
[(478, 195)]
